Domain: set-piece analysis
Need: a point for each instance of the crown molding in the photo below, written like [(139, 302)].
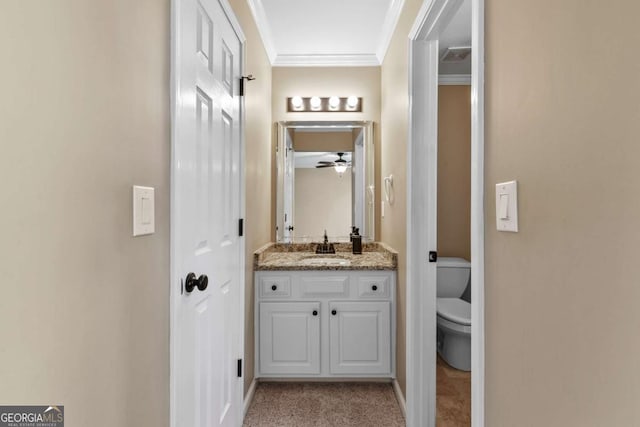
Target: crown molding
[(260, 16), (454, 79), (388, 28), (326, 60)]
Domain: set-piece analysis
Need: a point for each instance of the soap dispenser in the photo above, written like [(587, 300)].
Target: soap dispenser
[(356, 242)]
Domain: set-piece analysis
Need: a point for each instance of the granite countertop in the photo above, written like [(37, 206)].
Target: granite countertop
[(302, 256)]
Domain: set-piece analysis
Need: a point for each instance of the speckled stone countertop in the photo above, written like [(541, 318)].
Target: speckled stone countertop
[(284, 256)]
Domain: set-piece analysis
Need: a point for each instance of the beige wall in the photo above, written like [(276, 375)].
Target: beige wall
[(395, 107), (322, 200), (323, 141), (258, 165), (454, 171), (563, 118), (84, 115), (327, 81)]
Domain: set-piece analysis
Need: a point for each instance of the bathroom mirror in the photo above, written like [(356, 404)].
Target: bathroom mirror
[(325, 181)]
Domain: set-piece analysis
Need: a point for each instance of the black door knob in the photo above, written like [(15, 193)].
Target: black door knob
[(203, 282), (374, 287), (334, 312), (191, 282), (274, 287), (315, 312)]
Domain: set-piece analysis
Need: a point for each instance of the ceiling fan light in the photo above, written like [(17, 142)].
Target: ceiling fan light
[(341, 168)]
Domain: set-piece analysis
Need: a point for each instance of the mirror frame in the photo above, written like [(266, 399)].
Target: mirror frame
[(363, 199)]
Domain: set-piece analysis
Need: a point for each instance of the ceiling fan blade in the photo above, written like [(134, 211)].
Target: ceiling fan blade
[(325, 166), (325, 162)]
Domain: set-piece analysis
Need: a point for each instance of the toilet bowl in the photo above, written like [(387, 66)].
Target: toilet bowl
[(453, 313)]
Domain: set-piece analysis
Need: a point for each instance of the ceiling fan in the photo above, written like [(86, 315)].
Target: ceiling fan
[(340, 164)]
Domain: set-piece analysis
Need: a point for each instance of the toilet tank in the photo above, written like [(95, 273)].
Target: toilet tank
[(452, 277)]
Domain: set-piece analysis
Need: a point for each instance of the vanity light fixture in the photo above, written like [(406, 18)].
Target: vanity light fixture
[(315, 102), (331, 104), (352, 102), (297, 102)]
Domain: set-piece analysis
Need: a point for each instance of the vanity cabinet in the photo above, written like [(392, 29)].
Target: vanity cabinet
[(360, 338), (325, 324), (290, 337)]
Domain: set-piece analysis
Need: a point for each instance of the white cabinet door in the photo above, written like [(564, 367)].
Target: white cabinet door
[(290, 338), (360, 337)]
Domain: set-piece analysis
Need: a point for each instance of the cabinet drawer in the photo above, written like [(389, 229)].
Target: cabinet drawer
[(329, 286), (275, 287), (374, 287)]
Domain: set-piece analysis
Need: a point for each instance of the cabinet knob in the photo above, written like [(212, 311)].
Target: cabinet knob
[(374, 287), (315, 312), (334, 312), (274, 287)]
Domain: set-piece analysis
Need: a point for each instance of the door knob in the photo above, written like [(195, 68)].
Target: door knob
[(191, 282), (315, 312), (203, 282), (334, 312)]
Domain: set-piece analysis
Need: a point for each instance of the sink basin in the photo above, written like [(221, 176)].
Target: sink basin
[(324, 260)]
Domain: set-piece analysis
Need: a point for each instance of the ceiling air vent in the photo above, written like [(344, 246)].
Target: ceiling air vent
[(455, 54)]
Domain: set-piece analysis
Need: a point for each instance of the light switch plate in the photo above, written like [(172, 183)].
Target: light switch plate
[(143, 210), (507, 206)]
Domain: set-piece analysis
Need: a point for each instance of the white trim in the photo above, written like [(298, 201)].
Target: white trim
[(235, 24), (477, 214), (388, 28), (249, 396), (260, 16), (174, 277), (400, 398), (454, 79), (326, 60), (433, 17)]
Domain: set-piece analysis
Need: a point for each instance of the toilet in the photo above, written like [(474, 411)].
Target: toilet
[(453, 313)]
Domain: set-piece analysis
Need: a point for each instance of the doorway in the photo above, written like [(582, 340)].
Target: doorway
[(432, 20)]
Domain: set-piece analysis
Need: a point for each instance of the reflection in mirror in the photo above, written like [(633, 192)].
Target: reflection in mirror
[(325, 181)]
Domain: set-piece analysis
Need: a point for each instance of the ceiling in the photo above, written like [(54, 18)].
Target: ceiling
[(345, 32), (326, 32), (457, 34), (310, 159)]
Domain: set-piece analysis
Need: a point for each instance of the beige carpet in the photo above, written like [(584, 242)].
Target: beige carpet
[(453, 396), (324, 405)]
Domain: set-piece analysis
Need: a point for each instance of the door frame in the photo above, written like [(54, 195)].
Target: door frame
[(174, 254), (433, 17)]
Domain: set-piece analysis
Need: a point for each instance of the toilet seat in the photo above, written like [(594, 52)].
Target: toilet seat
[(454, 310)]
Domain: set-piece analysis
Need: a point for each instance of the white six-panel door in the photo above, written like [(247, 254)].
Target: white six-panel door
[(206, 321)]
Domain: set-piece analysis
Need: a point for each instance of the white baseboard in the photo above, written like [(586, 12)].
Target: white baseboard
[(249, 397), (399, 396)]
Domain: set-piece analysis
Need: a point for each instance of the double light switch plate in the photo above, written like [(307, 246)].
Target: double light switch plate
[(507, 206)]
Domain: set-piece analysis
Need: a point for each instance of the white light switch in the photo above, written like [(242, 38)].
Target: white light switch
[(507, 206), (143, 210)]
